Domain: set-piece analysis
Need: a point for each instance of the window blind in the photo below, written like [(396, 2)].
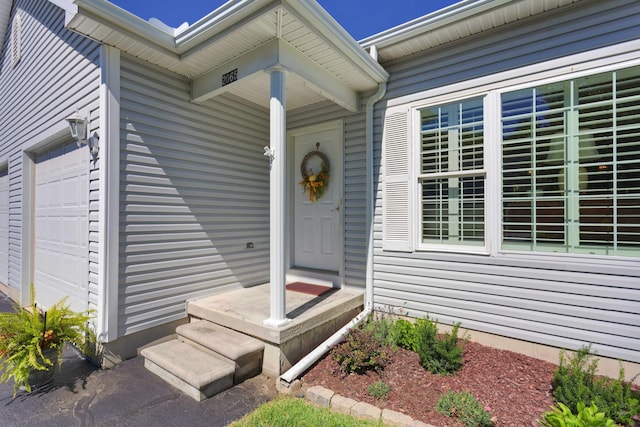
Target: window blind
[(571, 165)]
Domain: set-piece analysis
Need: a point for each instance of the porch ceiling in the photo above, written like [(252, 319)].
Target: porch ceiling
[(232, 32)]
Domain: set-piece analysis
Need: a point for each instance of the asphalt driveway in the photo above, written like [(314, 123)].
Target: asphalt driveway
[(127, 395)]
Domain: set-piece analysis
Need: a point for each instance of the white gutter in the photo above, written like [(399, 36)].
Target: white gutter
[(432, 21), (299, 368), (314, 15)]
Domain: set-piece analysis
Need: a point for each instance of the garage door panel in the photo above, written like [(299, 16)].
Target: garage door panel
[(4, 226), (61, 226)]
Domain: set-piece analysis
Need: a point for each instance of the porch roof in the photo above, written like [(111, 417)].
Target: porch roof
[(249, 36)]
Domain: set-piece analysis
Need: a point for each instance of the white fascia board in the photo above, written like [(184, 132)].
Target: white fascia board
[(118, 18), (313, 15), (440, 18), (231, 13)]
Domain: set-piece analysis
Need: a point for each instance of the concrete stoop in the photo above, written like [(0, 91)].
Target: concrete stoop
[(205, 359)]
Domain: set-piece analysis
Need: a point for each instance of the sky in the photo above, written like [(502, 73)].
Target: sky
[(361, 18)]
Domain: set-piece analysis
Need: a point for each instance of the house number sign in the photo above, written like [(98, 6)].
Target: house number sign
[(230, 77)]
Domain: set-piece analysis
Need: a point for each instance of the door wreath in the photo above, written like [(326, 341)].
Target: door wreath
[(314, 183)]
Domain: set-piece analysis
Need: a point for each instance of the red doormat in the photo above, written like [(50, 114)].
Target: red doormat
[(308, 288)]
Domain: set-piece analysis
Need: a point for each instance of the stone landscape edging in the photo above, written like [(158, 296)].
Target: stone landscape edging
[(325, 398)]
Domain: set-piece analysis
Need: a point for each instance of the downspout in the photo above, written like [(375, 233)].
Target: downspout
[(299, 368)]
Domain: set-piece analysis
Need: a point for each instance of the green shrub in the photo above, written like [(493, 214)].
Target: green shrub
[(465, 406), (575, 382), (405, 335), (383, 328), (361, 351), (379, 389), (561, 416), (438, 354)]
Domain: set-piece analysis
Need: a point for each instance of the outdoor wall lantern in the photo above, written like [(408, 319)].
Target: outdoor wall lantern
[(79, 127)]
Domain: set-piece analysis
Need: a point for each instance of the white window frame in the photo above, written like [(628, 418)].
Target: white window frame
[(572, 233), (492, 87), (417, 176)]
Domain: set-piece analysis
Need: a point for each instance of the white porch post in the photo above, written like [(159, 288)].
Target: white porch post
[(278, 200)]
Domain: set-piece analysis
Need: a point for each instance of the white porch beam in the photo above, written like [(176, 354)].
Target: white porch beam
[(213, 83), (318, 78), (278, 199), (273, 54)]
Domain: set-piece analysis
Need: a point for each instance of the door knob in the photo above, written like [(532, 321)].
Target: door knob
[(336, 209)]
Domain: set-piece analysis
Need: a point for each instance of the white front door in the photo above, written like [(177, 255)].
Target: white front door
[(61, 197), (318, 222)]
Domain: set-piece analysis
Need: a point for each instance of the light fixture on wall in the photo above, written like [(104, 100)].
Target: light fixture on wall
[(79, 128)]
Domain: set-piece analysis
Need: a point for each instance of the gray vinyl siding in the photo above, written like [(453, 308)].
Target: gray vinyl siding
[(194, 190), (560, 300), (585, 26), (57, 73), (354, 173)]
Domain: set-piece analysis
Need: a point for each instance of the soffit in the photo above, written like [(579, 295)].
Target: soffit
[(463, 19), (239, 27), (5, 14)]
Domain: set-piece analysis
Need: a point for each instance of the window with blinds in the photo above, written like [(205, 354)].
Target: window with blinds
[(571, 165), (452, 176)]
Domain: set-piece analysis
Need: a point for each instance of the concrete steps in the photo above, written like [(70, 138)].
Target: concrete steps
[(205, 359)]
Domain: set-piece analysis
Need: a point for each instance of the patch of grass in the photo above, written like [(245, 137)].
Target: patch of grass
[(286, 411)]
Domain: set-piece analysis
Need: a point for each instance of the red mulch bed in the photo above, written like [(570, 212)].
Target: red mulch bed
[(517, 388)]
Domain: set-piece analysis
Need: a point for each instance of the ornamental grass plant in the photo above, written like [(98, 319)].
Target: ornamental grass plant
[(31, 339)]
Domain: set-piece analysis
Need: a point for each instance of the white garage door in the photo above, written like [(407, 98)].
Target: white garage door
[(4, 226), (61, 226)]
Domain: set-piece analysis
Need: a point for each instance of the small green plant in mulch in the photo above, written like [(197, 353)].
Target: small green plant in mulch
[(362, 351), (561, 416), (379, 389), (464, 406), (439, 354), (575, 382)]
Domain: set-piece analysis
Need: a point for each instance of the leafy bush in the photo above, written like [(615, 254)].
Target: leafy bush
[(575, 382), (405, 335), (379, 389), (438, 354), (26, 334), (361, 351), (383, 328), (465, 406), (561, 416)]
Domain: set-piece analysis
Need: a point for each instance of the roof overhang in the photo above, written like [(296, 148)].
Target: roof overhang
[(5, 14), (458, 21), (249, 36)]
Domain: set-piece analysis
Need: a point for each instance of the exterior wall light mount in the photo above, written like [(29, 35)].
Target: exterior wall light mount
[(79, 128)]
